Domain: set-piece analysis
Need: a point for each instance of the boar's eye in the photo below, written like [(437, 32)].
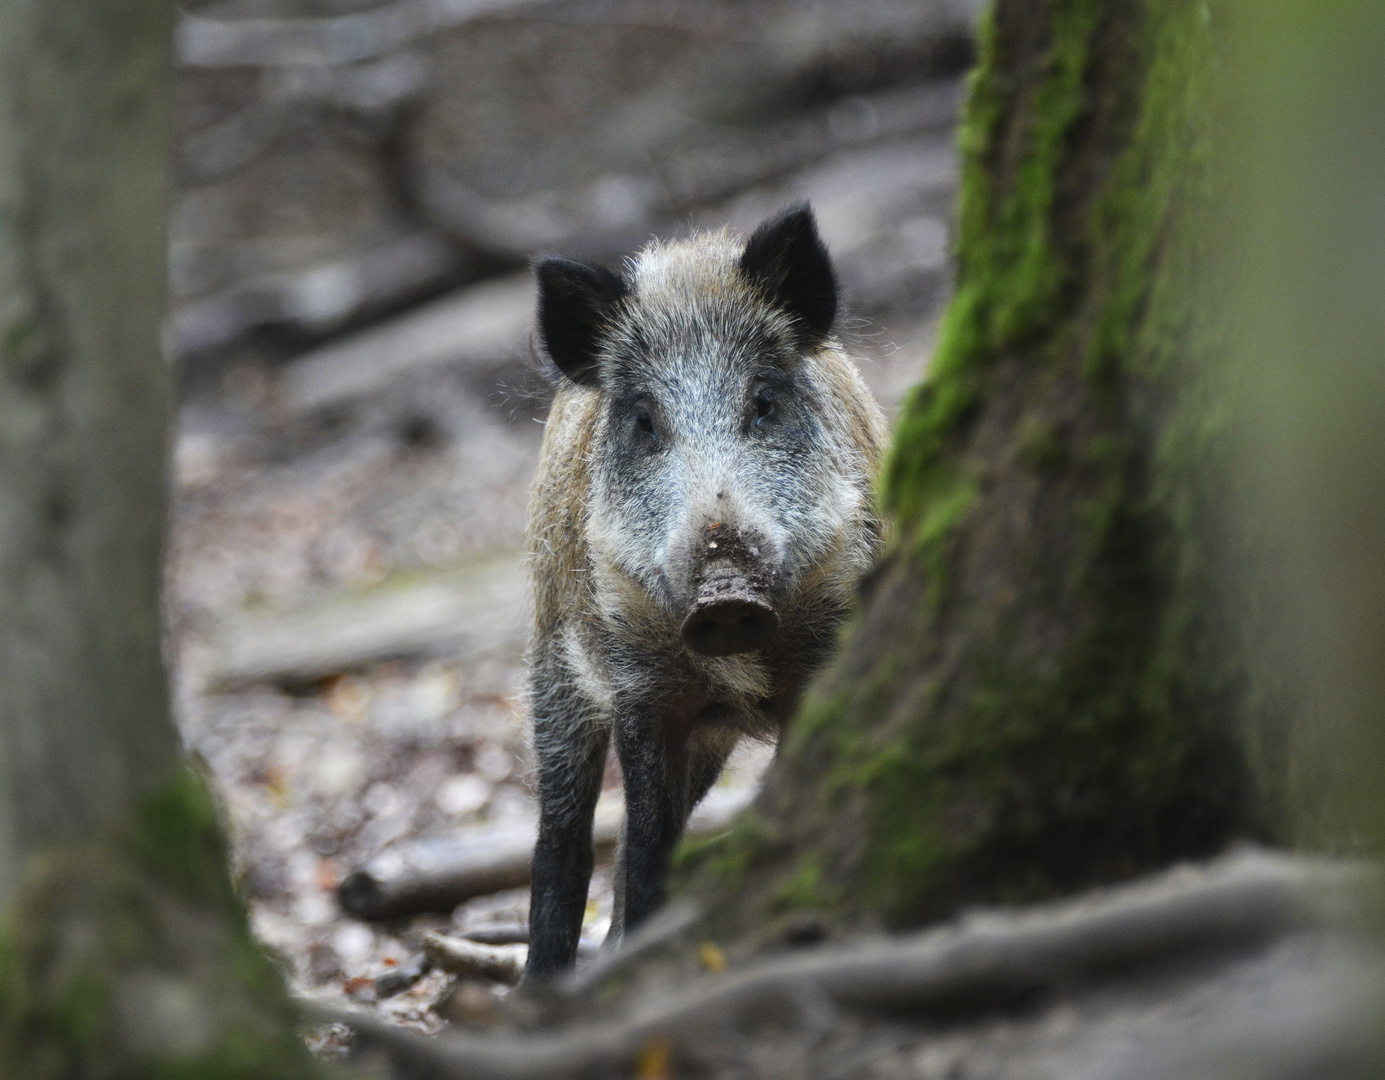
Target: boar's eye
[(645, 430), (638, 417), (764, 406)]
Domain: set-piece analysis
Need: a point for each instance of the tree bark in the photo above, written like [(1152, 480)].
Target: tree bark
[(84, 122), (123, 951), (1043, 691)]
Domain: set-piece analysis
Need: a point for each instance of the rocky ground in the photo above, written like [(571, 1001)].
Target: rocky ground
[(361, 187)]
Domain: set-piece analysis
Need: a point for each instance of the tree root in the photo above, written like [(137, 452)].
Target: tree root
[(984, 963)]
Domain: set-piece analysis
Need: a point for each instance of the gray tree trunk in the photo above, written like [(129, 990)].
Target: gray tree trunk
[(84, 126), (123, 951)]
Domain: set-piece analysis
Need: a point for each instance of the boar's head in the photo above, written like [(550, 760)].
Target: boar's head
[(715, 483)]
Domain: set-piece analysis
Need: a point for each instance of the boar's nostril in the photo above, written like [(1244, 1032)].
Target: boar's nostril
[(729, 626)]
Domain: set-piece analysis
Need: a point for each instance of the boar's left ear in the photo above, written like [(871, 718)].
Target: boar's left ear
[(786, 257), (576, 301)]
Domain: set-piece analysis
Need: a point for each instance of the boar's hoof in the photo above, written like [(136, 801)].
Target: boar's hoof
[(725, 627)]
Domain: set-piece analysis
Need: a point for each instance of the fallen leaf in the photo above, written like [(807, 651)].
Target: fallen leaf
[(711, 957), (653, 1062), (328, 875), (360, 987)]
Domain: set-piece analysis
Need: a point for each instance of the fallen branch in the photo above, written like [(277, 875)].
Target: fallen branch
[(709, 165), (981, 965), (349, 39), (293, 100), (499, 963), (314, 299), (719, 162), (399, 979), (437, 875), (474, 326), (342, 39), (476, 611), (502, 934)]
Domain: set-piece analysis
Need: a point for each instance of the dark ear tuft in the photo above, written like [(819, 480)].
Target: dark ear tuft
[(575, 301), (786, 257)]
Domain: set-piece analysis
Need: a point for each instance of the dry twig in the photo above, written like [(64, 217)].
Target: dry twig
[(499, 963)]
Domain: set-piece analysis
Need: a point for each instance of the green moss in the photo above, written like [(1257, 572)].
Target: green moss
[(728, 856), (151, 899), (944, 514), (241, 1055), (1010, 275), (1015, 246), (81, 1011), (806, 887), (813, 715), (906, 846), (1041, 444), (177, 837), (18, 337)]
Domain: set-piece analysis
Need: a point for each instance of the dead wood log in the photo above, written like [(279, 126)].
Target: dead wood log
[(342, 39), (473, 612), (499, 963), (437, 875), (315, 299), (347, 39), (476, 325), (719, 162), (298, 99), (502, 934), (712, 164), (399, 979)]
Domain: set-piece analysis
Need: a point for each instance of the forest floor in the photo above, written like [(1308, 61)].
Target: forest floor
[(345, 593)]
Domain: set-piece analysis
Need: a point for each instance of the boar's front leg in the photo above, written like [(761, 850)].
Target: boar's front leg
[(654, 764), (570, 746), (706, 758)]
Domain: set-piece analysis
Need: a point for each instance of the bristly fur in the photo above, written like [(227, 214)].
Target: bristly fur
[(706, 399), (786, 257), (579, 298)]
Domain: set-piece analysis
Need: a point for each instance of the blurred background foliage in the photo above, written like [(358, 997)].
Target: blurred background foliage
[(1307, 169)]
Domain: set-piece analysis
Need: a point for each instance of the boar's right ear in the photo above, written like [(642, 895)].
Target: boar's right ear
[(786, 258), (576, 301)]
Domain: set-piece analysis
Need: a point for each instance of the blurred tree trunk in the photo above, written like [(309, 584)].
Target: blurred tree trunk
[(1310, 183), (83, 418), (124, 951), (1043, 691)]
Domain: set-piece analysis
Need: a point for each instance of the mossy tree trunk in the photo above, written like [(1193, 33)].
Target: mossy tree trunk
[(1041, 692), (123, 950)]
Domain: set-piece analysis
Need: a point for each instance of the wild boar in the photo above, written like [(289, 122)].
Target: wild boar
[(702, 513)]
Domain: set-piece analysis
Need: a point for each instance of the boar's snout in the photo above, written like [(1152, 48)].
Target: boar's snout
[(731, 611), (730, 614), (730, 625)]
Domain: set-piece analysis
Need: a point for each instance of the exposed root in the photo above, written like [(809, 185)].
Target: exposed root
[(982, 964)]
